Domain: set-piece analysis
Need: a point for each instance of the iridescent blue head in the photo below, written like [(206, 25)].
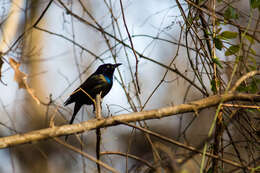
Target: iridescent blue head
[(107, 69)]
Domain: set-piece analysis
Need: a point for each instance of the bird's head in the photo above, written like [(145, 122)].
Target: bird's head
[(107, 69)]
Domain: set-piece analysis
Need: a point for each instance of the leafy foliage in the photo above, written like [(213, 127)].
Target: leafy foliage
[(232, 50), (228, 35), (218, 43), (230, 13), (217, 61), (255, 4)]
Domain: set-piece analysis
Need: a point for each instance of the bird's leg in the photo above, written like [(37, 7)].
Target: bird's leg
[(76, 109)]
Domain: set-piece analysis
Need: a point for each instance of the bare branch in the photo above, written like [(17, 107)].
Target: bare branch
[(85, 155), (132, 117)]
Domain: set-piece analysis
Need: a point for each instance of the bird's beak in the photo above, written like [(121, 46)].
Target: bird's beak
[(116, 65)]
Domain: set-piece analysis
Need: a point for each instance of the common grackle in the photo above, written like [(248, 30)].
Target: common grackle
[(99, 82)]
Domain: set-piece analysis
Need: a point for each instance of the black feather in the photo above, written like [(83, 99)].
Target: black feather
[(99, 82)]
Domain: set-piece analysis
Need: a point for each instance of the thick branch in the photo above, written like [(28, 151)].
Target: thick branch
[(132, 117)]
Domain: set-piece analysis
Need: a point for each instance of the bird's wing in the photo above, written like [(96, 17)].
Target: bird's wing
[(95, 84)]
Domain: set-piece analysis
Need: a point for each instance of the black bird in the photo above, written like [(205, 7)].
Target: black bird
[(99, 82)]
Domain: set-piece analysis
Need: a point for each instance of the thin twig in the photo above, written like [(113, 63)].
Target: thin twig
[(241, 106), (132, 46), (85, 155), (184, 146), (128, 155)]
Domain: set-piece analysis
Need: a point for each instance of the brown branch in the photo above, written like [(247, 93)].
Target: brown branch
[(98, 131), (129, 155), (241, 106), (191, 148), (98, 106), (56, 131), (85, 155)]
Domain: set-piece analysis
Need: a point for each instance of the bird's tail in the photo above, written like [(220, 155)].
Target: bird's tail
[(76, 109)]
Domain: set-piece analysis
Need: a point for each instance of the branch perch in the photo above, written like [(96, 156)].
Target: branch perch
[(56, 131)]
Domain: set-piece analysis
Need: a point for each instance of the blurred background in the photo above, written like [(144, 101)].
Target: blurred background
[(71, 40)]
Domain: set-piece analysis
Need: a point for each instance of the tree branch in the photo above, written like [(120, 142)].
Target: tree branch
[(56, 131)]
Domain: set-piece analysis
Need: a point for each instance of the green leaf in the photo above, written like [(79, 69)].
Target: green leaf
[(207, 32), (228, 35), (252, 63), (190, 19), (213, 86), (230, 13), (218, 30), (241, 88), (252, 59), (232, 50), (217, 22), (254, 111), (250, 39), (257, 81), (216, 61), (218, 43), (210, 170), (251, 88), (252, 67), (255, 3), (252, 51)]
